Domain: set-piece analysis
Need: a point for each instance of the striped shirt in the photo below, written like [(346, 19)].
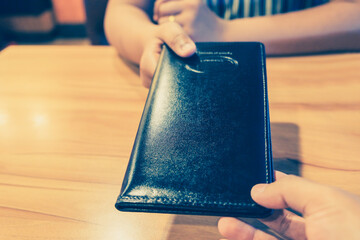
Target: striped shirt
[(230, 9)]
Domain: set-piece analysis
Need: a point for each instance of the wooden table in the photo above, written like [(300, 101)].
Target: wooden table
[(69, 115)]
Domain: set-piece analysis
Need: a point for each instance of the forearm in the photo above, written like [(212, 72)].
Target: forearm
[(333, 26), (127, 28)]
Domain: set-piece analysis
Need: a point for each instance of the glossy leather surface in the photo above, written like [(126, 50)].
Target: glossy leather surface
[(204, 137)]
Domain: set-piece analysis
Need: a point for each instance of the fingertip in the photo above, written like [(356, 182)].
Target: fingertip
[(145, 80), (188, 49), (225, 221), (233, 228), (176, 38), (257, 190), (146, 84), (227, 226)]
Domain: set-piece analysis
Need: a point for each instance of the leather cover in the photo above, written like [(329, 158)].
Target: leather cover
[(204, 137)]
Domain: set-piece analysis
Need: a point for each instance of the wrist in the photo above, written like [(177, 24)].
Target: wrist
[(233, 31), (224, 26)]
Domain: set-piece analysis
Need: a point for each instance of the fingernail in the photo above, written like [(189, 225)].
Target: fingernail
[(187, 48), (258, 189)]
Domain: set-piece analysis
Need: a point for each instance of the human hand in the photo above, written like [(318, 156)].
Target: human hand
[(197, 20), (329, 213), (174, 36)]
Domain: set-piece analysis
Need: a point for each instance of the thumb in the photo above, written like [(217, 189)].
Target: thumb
[(175, 37), (291, 191)]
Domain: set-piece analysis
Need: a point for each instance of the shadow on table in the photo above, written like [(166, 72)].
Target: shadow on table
[(286, 147), (286, 155)]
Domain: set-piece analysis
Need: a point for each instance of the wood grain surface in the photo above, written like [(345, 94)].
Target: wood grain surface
[(68, 119)]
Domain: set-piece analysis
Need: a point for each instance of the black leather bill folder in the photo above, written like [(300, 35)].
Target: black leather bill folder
[(204, 137)]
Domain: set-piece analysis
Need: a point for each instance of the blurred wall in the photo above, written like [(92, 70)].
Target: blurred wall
[(70, 18), (24, 21), (69, 11)]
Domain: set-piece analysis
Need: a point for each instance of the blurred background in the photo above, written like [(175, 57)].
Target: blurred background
[(52, 22)]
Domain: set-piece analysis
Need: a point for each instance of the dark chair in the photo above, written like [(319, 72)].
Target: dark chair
[(23, 7), (15, 26), (95, 12)]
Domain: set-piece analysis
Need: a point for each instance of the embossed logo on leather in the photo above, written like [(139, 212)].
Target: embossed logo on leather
[(210, 61)]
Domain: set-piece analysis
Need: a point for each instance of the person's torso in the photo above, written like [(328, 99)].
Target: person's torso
[(230, 9)]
